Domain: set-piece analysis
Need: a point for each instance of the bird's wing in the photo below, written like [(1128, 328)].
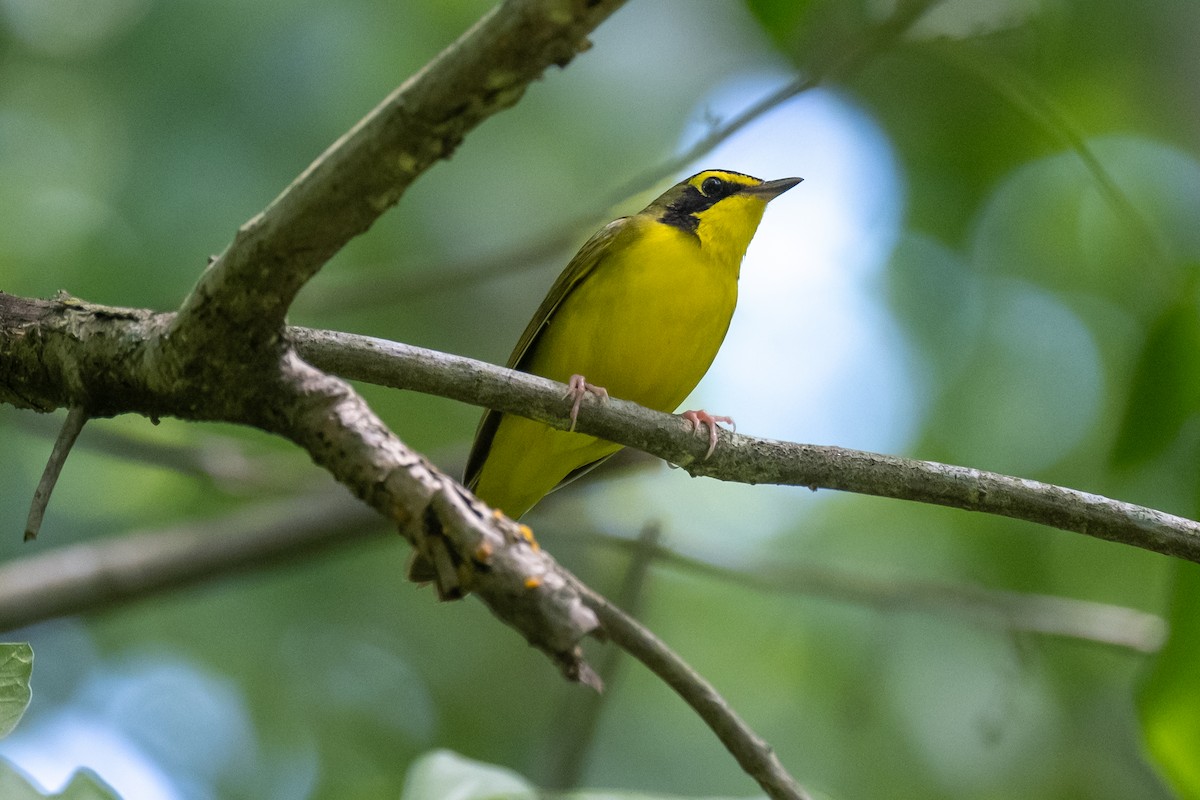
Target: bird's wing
[(583, 264)]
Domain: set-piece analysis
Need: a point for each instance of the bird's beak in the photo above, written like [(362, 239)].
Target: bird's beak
[(769, 190)]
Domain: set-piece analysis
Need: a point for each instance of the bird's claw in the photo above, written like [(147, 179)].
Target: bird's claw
[(577, 387), (697, 418)]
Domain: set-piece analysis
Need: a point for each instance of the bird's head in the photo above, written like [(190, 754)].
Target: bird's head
[(720, 207)]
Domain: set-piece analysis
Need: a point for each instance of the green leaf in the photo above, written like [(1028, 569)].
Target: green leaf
[(14, 785), (84, 785), (1169, 701), (16, 665), (1166, 386)]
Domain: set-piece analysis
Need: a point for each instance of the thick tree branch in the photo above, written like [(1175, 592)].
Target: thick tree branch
[(473, 548), (63, 353)]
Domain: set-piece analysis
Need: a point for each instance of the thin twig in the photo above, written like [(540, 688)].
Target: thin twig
[(217, 459), (77, 417), (89, 577), (755, 756), (1015, 612), (870, 44), (393, 288)]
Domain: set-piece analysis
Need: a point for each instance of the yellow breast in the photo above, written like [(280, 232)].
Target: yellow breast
[(647, 323)]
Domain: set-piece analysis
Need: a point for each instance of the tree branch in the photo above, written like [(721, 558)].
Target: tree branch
[(473, 548), (1013, 612), (747, 459), (93, 576)]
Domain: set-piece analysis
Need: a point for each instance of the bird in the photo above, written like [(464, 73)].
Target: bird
[(639, 313)]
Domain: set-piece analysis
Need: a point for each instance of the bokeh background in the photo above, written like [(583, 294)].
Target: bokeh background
[(991, 262)]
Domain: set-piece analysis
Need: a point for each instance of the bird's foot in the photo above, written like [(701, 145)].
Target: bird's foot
[(577, 387), (698, 418)]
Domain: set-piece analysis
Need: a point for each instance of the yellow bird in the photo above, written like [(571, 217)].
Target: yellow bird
[(640, 312)]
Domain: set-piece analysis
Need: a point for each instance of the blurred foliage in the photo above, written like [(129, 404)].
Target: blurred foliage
[(1165, 391), (16, 665), (1038, 282), (443, 773), (83, 785)]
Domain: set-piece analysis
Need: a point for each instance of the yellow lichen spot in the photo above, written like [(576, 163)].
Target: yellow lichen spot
[(407, 163), (483, 552), (500, 79), (527, 532), (497, 514), (558, 16), (532, 582)]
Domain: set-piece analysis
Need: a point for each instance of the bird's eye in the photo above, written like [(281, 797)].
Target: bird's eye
[(712, 187)]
